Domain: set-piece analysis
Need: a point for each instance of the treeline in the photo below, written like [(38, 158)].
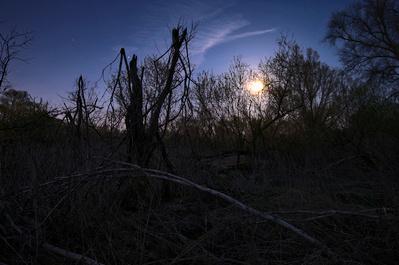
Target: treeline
[(304, 102)]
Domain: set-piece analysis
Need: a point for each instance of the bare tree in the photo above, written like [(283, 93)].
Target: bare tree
[(11, 45), (367, 35), (304, 88)]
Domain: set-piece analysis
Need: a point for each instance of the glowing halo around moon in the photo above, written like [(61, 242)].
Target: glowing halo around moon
[(255, 87)]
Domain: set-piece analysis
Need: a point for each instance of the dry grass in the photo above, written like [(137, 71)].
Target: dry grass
[(116, 220)]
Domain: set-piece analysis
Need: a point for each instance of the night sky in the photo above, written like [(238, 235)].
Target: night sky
[(81, 37)]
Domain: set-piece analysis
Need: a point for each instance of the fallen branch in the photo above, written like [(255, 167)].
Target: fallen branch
[(152, 173), (145, 172), (270, 217), (70, 255)]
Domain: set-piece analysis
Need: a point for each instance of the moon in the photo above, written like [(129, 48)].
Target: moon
[(255, 87)]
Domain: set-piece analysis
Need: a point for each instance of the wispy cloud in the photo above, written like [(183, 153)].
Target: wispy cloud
[(214, 35), (222, 25), (249, 34), (224, 35), (219, 23)]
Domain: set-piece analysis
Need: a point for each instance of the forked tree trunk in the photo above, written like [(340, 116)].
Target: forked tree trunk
[(142, 141)]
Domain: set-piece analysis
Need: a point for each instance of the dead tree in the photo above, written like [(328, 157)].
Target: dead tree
[(147, 119)]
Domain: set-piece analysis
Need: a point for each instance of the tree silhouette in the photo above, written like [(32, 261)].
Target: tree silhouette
[(367, 35), (11, 44)]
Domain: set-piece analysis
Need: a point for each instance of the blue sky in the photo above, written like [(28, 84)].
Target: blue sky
[(81, 37)]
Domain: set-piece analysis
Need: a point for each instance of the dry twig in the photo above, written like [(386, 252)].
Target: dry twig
[(70, 255)]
